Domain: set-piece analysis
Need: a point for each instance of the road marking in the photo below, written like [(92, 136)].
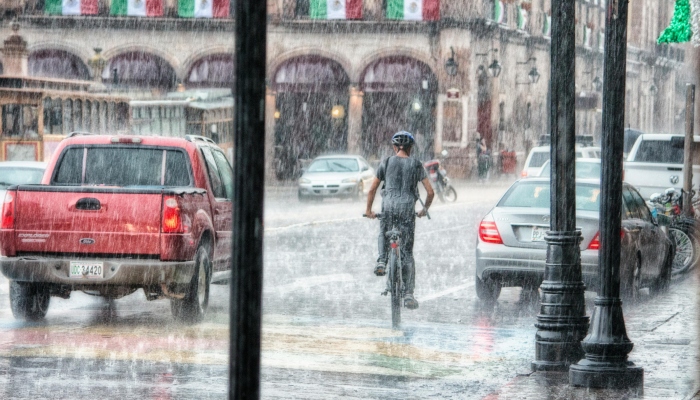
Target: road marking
[(446, 292), (303, 224), (310, 281)]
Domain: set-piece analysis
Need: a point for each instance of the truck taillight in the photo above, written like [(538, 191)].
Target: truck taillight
[(8, 211), (172, 219), (488, 231)]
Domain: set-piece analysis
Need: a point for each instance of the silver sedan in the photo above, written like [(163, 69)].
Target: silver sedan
[(511, 250), (345, 176)]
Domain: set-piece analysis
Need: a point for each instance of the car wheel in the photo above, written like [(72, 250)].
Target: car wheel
[(633, 283), (29, 300), (663, 281), (302, 198), (487, 290), (357, 195), (193, 306)]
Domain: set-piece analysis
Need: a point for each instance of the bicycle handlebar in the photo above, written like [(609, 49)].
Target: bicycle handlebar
[(380, 215)]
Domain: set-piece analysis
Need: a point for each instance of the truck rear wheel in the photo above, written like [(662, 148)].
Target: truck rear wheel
[(193, 306), (29, 300)]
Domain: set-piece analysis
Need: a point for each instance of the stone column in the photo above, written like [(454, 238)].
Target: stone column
[(270, 113), (15, 54), (355, 120)]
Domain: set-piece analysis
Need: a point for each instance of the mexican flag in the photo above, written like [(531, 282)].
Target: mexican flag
[(137, 8), (71, 7), (203, 8), (336, 9), (416, 10), (685, 25)]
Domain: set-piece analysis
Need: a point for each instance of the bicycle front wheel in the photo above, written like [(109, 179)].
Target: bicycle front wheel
[(395, 289)]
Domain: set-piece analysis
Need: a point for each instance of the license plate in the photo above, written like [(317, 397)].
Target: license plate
[(86, 269), (538, 233), (325, 191)]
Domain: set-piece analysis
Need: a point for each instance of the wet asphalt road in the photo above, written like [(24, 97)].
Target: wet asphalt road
[(326, 328)]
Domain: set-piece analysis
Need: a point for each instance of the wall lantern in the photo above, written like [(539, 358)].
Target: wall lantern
[(451, 65), (277, 114), (597, 84), (495, 68), (534, 75), (416, 106), (653, 90), (338, 111)]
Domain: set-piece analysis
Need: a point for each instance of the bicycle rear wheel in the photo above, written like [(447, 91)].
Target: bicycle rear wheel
[(395, 289)]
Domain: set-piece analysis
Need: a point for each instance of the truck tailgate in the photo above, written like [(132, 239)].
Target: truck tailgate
[(88, 220), (650, 178)]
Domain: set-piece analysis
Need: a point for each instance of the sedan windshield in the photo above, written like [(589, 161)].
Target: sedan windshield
[(19, 176), (536, 195), (334, 165)]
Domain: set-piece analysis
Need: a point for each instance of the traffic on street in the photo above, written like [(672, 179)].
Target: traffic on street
[(326, 327)]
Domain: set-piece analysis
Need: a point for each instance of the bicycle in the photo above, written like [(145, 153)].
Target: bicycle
[(681, 229), (395, 285)]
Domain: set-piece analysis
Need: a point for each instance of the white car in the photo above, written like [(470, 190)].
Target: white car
[(344, 176), (540, 155), (20, 173)]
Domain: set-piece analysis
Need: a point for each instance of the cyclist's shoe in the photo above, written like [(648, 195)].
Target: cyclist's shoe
[(380, 269), (410, 302)]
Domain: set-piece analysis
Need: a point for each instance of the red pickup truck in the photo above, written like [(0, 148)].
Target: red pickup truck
[(115, 214)]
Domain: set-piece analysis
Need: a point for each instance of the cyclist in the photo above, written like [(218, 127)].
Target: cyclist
[(400, 174)]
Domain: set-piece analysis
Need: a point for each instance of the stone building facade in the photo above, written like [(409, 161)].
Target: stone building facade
[(480, 70)]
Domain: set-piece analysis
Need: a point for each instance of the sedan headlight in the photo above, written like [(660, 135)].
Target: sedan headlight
[(304, 180), (350, 180)]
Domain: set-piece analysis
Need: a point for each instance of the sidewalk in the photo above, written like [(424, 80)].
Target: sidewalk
[(665, 336)]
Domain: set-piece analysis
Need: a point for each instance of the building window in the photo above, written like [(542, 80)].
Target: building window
[(302, 8)]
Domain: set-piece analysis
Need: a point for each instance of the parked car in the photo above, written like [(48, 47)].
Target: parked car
[(115, 214), (539, 155), (20, 173), (586, 168), (511, 250), (655, 163), (344, 176)]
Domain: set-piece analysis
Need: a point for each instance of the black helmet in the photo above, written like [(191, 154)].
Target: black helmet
[(402, 138)]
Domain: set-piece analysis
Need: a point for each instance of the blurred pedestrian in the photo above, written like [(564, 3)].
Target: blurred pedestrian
[(483, 157)]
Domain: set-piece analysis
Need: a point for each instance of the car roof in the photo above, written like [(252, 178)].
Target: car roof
[(145, 140), (29, 164), (337, 156), (664, 136)]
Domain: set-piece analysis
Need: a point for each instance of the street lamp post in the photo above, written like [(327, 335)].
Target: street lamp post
[(247, 232), (607, 344), (562, 321)]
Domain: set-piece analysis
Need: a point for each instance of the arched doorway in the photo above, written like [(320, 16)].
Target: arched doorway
[(483, 108), (400, 94), (137, 69), (56, 64), (312, 102), (213, 71)]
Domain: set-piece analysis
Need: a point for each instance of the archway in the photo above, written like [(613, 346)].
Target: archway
[(400, 94), (137, 69), (312, 99), (57, 64), (214, 70)]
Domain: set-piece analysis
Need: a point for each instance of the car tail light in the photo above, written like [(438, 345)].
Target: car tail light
[(8, 211), (125, 139), (595, 243), (172, 219), (523, 174), (488, 231)]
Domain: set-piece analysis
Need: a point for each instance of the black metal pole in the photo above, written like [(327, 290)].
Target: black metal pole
[(562, 321), (688, 149), (607, 344), (249, 174)]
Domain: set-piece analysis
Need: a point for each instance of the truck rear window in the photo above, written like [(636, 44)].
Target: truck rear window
[(659, 151), (123, 166)]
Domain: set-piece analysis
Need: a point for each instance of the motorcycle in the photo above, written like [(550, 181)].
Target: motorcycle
[(439, 179), (682, 231)]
